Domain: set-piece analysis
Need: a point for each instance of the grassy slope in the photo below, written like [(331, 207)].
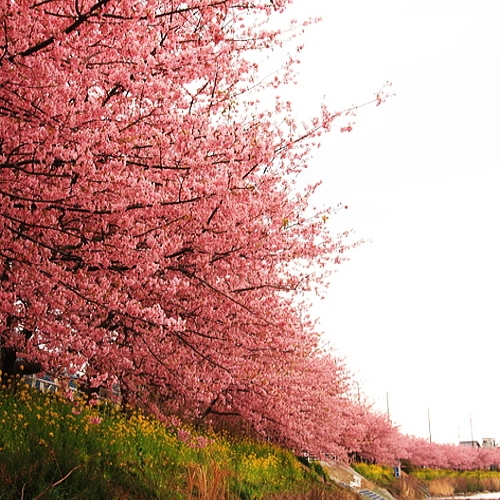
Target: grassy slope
[(53, 450)]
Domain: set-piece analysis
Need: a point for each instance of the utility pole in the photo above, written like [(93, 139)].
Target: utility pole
[(429, 421), (359, 393), (388, 413), (471, 433)]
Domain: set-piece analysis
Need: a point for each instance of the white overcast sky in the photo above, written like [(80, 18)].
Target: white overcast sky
[(416, 310)]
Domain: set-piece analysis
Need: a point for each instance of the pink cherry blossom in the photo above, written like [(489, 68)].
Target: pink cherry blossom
[(143, 194)]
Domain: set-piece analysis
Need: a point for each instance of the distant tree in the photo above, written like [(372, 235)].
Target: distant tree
[(379, 441), (422, 453)]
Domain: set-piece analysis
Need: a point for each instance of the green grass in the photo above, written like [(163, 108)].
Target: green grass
[(461, 481), (381, 475), (437, 482), (52, 450)]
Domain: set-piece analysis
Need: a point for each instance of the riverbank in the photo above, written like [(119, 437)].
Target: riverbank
[(491, 495), (416, 483)]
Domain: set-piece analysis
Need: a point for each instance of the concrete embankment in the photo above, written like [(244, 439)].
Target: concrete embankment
[(348, 477)]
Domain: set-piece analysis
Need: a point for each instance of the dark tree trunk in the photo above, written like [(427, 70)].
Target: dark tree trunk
[(7, 363), (11, 365)]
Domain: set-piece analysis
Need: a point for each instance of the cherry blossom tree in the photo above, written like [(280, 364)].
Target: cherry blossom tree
[(152, 232), (423, 453)]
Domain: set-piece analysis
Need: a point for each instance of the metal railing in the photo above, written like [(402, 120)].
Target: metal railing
[(48, 384), (45, 384)]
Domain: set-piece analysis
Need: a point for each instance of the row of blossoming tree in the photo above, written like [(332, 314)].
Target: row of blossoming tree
[(153, 235), (447, 456)]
